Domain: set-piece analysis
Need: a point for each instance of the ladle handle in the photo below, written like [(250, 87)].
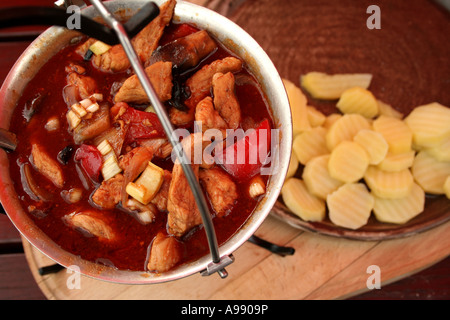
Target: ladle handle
[(218, 263)]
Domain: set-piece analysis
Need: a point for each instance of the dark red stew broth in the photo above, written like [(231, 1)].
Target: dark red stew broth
[(44, 96)]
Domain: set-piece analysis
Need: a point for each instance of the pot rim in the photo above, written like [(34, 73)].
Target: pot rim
[(240, 43)]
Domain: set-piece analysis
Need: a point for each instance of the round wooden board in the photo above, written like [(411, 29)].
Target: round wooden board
[(322, 267)]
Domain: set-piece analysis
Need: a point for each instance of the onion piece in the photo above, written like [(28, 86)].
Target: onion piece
[(138, 162), (30, 186), (71, 95), (52, 124), (115, 136), (90, 128), (145, 214), (32, 106), (73, 195)]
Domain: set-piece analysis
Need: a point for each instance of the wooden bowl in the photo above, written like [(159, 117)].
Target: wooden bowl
[(409, 58)]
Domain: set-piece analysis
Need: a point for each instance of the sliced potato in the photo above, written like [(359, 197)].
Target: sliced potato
[(330, 87), (396, 133), (293, 166), (348, 162), (397, 161), (447, 187), (388, 110), (350, 206), (331, 119), (297, 101), (310, 144), (430, 173), (318, 179), (389, 185), (358, 100), (441, 152), (315, 117), (400, 210), (374, 144), (301, 202), (429, 124), (345, 128)]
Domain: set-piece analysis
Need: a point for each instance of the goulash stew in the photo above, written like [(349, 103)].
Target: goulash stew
[(94, 168)]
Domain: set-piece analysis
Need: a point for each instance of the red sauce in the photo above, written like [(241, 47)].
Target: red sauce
[(131, 251)]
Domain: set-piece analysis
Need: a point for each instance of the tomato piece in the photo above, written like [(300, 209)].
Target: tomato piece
[(142, 124), (255, 147), (179, 31), (90, 159), (140, 131)]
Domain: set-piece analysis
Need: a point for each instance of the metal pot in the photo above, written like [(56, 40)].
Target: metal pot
[(232, 36)]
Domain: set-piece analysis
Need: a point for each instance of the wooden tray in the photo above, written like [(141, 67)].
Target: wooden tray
[(302, 36)]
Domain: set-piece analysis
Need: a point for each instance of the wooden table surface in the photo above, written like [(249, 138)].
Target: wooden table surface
[(416, 267)]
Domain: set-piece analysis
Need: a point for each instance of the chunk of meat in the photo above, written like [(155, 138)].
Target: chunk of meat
[(46, 165), (181, 118), (221, 189), (165, 253), (133, 164), (200, 83), (199, 86), (91, 222), (208, 116), (225, 100), (142, 153), (84, 47), (113, 60), (183, 211), (108, 195), (160, 199), (157, 146), (72, 67), (185, 52), (114, 135), (145, 42), (160, 76), (85, 85)]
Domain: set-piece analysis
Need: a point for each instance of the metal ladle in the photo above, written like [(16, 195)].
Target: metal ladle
[(218, 263)]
